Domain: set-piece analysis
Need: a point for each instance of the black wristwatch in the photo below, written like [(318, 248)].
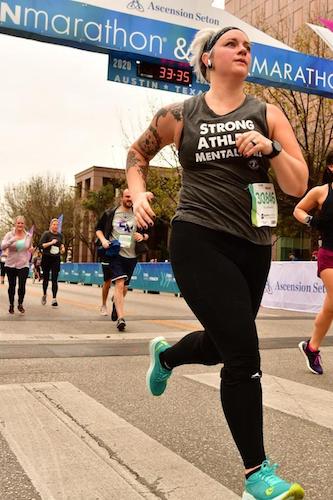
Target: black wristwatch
[(276, 150), (307, 220)]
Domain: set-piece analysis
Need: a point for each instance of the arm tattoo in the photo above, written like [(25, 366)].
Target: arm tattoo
[(134, 162), (150, 142), (162, 112), (177, 111)]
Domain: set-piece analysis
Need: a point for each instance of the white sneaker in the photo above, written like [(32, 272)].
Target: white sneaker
[(103, 311)]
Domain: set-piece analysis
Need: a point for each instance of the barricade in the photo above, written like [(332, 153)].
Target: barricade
[(150, 276), (290, 285)]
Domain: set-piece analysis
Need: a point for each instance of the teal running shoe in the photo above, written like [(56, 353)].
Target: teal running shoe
[(157, 376), (267, 485)]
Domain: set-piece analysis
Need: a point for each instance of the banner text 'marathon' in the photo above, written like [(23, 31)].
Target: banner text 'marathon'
[(109, 33)]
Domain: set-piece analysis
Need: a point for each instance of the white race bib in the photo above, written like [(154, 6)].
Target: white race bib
[(125, 240), (54, 250), (264, 210)]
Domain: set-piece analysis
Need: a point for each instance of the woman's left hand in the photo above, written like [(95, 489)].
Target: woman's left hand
[(138, 237), (253, 142)]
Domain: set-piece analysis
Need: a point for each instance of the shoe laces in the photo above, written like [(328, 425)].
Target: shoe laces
[(315, 356), (268, 473), (317, 359), (163, 373)]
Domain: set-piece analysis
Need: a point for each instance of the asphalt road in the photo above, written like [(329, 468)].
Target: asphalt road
[(77, 346)]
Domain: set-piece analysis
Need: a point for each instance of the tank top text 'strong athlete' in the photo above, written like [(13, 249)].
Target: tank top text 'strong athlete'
[(215, 176)]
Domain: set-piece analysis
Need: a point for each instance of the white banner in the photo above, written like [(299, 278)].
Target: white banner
[(324, 33), (196, 14), (294, 286)]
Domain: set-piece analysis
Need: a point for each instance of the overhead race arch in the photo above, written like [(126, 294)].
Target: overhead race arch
[(148, 41)]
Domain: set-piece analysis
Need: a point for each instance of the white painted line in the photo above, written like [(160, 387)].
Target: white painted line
[(56, 455), (52, 425), (293, 398), (54, 338)]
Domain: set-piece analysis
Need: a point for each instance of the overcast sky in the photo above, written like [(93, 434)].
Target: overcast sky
[(59, 114)]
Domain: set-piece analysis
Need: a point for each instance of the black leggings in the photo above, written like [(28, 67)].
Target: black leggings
[(50, 264), (12, 275), (222, 278), (3, 271)]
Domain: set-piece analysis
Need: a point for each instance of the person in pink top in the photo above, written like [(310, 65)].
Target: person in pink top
[(17, 242)]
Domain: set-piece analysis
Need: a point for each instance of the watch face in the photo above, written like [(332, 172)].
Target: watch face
[(277, 148)]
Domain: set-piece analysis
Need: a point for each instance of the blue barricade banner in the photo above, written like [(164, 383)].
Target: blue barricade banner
[(155, 277)]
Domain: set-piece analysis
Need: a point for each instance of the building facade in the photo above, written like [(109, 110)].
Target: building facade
[(290, 15)]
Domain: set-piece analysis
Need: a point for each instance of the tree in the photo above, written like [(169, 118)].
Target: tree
[(98, 201), (40, 199), (166, 192)]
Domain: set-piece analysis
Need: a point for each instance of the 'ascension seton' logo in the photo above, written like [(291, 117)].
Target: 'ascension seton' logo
[(268, 288), (135, 4)]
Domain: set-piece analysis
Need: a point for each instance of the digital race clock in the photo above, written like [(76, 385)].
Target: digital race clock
[(165, 72)]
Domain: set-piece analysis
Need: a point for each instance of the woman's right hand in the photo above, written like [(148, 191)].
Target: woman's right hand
[(105, 244), (142, 210)]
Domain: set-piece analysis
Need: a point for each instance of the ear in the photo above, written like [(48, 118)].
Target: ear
[(205, 59)]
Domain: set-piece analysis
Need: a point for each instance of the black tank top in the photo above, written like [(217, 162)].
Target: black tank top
[(326, 214), (215, 177)]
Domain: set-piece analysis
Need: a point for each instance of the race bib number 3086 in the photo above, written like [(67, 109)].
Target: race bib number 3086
[(264, 209)]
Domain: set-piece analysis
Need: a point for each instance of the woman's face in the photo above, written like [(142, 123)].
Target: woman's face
[(19, 224), (231, 55), (54, 226)]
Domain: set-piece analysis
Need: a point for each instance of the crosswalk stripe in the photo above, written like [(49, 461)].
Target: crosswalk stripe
[(59, 462), (287, 396), (73, 447)]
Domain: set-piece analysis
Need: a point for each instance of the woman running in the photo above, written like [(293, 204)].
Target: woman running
[(36, 266), (17, 243), (52, 246), (3, 257), (320, 198), (226, 141)]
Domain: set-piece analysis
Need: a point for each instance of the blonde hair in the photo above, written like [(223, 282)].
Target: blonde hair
[(19, 217), (196, 50), (204, 41), (53, 220)]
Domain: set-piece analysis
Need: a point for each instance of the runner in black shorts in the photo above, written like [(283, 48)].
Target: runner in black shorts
[(117, 233)]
